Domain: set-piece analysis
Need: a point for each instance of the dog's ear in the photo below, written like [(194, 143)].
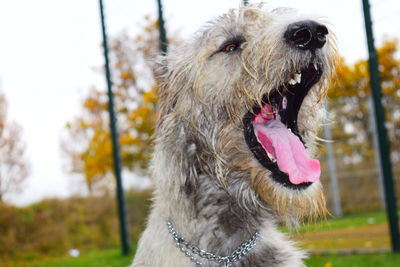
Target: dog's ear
[(161, 74), (160, 68)]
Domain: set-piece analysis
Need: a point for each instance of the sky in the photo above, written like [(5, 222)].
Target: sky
[(49, 49)]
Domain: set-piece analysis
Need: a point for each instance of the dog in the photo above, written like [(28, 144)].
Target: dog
[(241, 103)]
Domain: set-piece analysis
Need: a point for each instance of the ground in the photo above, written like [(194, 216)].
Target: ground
[(364, 232), (367, 231), (113, 258)]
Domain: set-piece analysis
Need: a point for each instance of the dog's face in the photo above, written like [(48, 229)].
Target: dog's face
[(248, 92)]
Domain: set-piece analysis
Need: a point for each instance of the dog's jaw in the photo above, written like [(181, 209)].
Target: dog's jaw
[(281, 107)]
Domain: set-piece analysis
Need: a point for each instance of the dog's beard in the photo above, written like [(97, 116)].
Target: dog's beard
[(293, 198), (292, 206)]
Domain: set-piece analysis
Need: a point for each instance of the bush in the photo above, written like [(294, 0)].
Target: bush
[(53, 226)]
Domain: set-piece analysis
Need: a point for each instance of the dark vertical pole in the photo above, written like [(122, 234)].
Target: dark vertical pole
[(161, 27), (115, 145), (384, 150)]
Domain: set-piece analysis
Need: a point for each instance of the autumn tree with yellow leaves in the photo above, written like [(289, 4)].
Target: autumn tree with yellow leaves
[(87, 142), (349, 96)]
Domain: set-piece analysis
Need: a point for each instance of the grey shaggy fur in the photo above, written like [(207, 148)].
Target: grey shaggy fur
[(207, 181)]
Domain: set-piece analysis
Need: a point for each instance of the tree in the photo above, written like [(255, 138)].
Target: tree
[(14, 166), (353, 133), (87, 142), (349, 96)]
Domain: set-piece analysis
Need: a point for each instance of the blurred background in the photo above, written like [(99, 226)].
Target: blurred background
[(57, 188)]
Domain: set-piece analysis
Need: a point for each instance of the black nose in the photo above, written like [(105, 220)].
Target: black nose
[(306, 35)]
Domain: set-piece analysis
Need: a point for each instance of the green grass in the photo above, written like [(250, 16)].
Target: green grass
[(93, 258), (363, 231), (346, 221), (358, 260), (355, 231), (113, 258)]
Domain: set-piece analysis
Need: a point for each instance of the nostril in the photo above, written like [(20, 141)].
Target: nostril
[(320, 38), (321, 30), (306, 35), (302, 37)]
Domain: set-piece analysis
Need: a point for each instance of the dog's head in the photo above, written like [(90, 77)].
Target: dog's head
[(243, 101)]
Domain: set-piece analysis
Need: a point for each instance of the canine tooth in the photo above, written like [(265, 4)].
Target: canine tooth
[(270, 156), (292, 82), (297, 77), (284, 102), (315, 66)]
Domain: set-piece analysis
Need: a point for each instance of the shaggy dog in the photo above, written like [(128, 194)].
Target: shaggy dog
[(240, 107)]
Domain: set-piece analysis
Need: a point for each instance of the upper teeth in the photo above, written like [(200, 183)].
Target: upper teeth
[(315, 66), (296, 79)]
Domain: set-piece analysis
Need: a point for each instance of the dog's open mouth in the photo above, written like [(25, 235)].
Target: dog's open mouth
[(272, 133)]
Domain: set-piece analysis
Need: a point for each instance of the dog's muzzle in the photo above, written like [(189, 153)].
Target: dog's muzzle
[(271, 131)]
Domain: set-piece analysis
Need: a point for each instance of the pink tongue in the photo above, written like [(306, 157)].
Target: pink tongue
[(288, 150)]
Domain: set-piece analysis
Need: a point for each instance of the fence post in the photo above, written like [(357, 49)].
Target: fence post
[(115, 144), (384, 150), (161, 28)]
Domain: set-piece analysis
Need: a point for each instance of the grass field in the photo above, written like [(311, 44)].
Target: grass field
[(357, 260), (360, 232), (113, 258), (367, 231), (94, 258), (345, 222)]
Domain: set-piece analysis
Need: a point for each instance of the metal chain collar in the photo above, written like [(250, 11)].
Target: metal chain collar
[(191, 251)]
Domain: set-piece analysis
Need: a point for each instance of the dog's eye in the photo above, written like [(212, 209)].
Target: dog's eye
[(232, 45), (230, 48)]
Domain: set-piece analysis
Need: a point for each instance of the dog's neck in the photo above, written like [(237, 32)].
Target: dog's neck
[(211, 217)]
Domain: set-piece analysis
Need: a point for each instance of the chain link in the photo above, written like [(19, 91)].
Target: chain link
[(191, 251)]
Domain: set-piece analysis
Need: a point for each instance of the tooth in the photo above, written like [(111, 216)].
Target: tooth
[(284, 102), (297, 77), (315, 66), (292, 82), (270, 156)]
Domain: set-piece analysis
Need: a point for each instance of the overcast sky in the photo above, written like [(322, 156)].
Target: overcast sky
[(48, 49)]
